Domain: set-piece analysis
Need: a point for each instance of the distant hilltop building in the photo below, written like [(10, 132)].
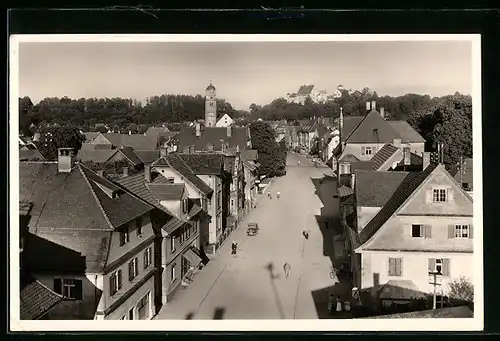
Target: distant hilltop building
[(312, 92)]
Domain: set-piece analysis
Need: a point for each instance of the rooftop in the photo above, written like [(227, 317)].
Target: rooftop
[(374, 189)]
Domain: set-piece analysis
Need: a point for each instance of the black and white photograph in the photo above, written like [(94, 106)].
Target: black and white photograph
[(313, 182)]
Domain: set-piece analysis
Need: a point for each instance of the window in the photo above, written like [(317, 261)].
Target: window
[(69, 288), (138, 225), (439, 195), (440, 265), (115, 282), (124, 236), (395, 266), (185, 205), (366, 150), (461, 231), (184, 266), (123, 317), (421, 231), (131, 314), (172, 272), (170, 180), (172, 244), (147, 257), (211, 104), (143, 307), (133, 269), (204, 204)]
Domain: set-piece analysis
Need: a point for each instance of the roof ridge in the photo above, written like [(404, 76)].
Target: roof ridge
[(87, 181)]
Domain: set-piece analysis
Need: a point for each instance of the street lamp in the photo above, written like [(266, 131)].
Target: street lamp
[(340, 88)]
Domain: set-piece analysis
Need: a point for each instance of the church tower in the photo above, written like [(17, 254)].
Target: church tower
[(210, 106)]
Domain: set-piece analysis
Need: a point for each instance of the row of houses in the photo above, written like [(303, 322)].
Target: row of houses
[(121, 245), (405, 217)]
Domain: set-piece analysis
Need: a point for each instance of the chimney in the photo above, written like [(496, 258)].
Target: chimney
[(426, 160), (100, 172), (198, 129), (228, 131), (396, 143), (406, 156), (147, 173), (382, 112), (374, 105), (163, 152), (368, 106), (65, 160), (125, 172)]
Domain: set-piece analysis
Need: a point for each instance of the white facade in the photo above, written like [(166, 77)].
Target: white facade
[(225, 121)]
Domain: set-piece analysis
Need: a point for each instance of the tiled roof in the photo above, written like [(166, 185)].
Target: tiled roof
[(95, 155), (382, 156), (90, 135), (137, 185), (79, 251), (305, 90), (374, 189), (250, 154), (415, 162), (136, 141), (403, 192), (156, 130), (166, 191), (131, 155), (345, 191), (148, 156), (35, 299), (406, 131), (215, 136), (350, 123), (348, 158), (249, 164), (204, 164), (361, 165), (372, 129), (60, 200), (178, 164), (31, 155)]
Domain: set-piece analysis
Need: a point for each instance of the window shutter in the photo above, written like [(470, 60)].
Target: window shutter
[(432, 264), (450, 195), (145, 259), (57, 286), (428, 196), (119, 275), (471, 229), (78, 289), (446, 266), (111, 284), (362, 150), (428, 231), (392, 266), (399, 267), (451, 231), (130, 271)]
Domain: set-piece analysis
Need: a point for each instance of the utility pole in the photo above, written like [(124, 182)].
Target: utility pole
[(461, 172), (435, 284)]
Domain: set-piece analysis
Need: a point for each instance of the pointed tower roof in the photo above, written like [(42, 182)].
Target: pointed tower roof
[(210, 86)]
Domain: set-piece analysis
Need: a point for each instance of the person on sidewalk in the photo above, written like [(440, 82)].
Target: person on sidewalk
[(338, 305), (298, 163), (278, 195), (269, 195), (286, 269), (234, 248), (305, 233)]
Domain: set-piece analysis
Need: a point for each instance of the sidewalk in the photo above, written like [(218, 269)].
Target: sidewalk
[(187, 301)]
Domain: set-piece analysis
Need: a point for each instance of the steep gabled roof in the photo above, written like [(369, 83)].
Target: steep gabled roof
[(383, 155), (374, 189), (148, 156), (215, 136), (96, 155), (204, 164), (166, 191), (177, 163), (31, 155), (373, 129), (349, 125), (410, 183), (131, 155), (90, 135), (155, 131), (35, 299), (406, 131), (136, 141)]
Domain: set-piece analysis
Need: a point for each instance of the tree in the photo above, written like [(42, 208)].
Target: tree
[(315, 146), (461, 291), (271, 157), (59, 137), (25, 115)]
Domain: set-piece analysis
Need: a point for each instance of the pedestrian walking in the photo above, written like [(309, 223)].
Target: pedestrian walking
[(234, 248), (286, 269), (278, 195), (269, 195), (298, 163), (305, 233), (338, 305)]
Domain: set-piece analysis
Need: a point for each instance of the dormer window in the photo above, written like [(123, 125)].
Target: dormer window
[(367, 150), (124, 236), (439, 195)]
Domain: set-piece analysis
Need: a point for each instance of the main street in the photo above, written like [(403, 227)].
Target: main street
[(251, 285)]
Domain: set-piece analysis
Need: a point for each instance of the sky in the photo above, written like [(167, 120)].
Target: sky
[(242, 72)]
